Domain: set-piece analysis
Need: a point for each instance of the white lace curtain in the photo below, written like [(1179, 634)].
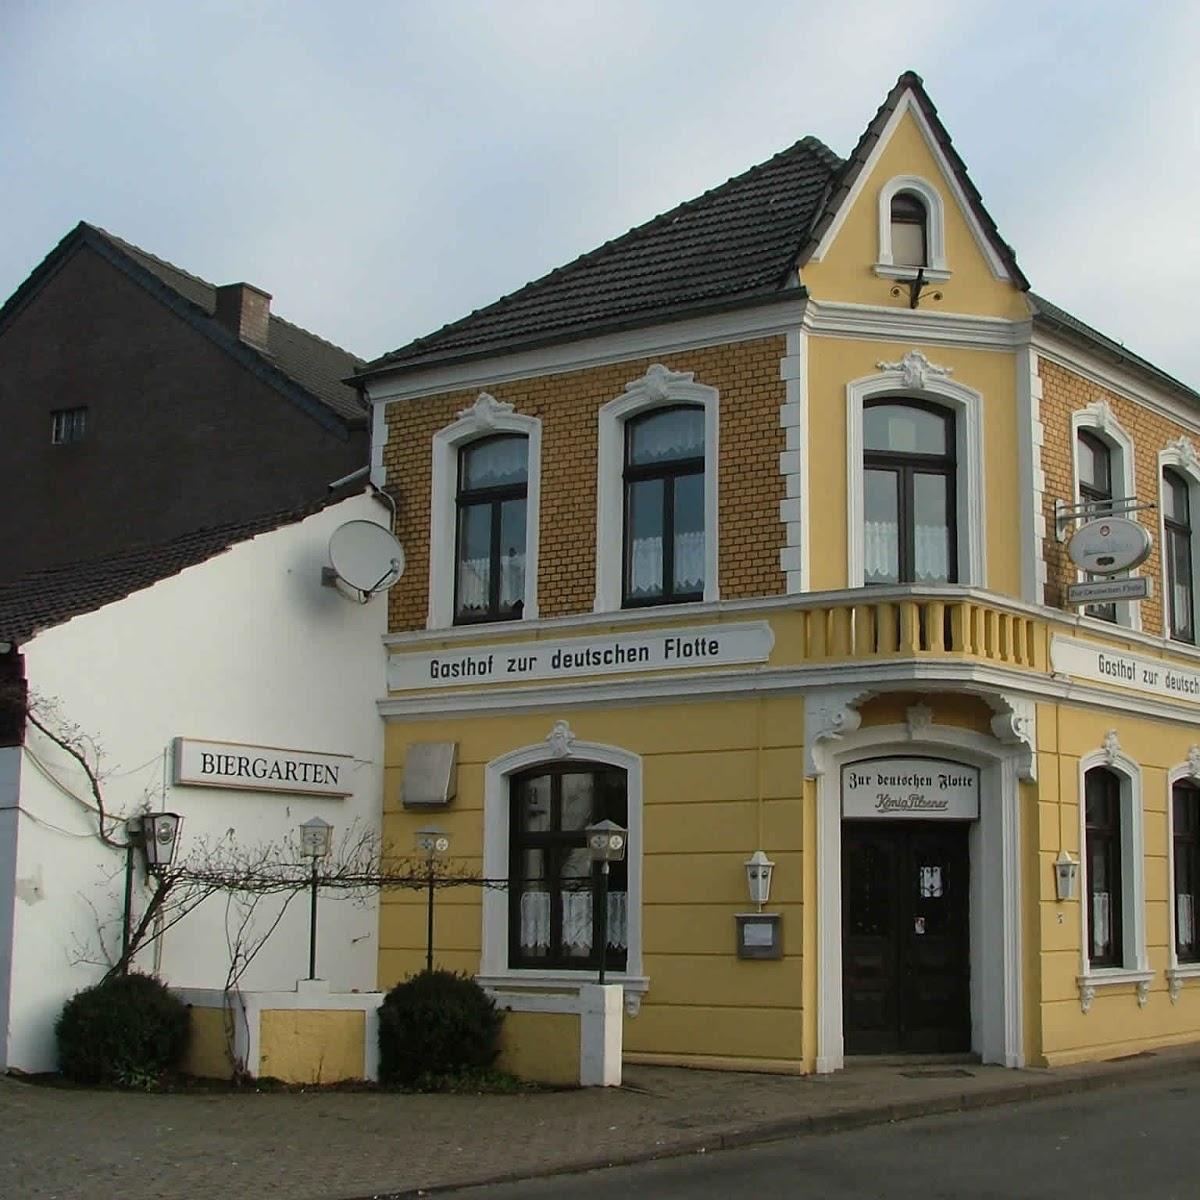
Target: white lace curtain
[(646, 563), (577, 920), (881, 550), (474, 578)]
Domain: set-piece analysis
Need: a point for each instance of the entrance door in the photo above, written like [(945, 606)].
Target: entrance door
[(905, 937)]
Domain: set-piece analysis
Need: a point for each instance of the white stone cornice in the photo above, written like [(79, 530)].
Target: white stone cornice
[(828, 716), (1015, 723)]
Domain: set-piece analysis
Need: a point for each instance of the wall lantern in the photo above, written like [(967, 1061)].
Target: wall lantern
[(431, 841), (159, 837), (758, 876), (606, 842), (316, 837), (1066, 875)]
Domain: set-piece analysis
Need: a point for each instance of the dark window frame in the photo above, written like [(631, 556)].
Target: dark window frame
[(1104, 837), (669, 472), (1179, 533), (1099, 493), (68, 426), (553, 843), (906, 466), (493, 498), (908, 208), (1185, 839)]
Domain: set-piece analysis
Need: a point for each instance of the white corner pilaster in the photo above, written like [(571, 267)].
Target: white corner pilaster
[(1030, 439)]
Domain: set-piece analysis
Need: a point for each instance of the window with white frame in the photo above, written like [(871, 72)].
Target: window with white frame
[(1112, 884), (1178, 552), (484, 515), (915, 477), (912, 233), (656, 511), (1104, 474)]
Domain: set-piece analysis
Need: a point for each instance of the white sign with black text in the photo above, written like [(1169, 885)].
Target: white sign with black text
[(1086, 660), (261, 768), (613, 653), (911, 788)]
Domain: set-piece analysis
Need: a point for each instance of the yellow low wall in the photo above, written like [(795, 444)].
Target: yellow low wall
[(208, 1055), (315, 1046), (541, 1047)]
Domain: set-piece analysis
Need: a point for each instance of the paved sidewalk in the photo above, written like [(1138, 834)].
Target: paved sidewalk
[(70, 1144)]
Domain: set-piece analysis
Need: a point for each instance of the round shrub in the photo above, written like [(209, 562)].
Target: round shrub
[(435, 1024), (126, 1030)]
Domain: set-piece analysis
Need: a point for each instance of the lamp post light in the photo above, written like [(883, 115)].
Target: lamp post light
[(606, 844), (316, 836), (158, 835), (431, 841)]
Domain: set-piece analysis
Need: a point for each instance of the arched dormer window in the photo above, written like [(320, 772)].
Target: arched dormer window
[(909, 225), (912, 230)]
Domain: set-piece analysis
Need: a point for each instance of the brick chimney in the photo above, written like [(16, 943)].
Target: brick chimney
[(245, 311)]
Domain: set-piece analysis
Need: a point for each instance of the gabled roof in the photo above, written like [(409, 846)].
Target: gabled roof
[(737, 242), (909, 82), (52, 596), (306, 368)]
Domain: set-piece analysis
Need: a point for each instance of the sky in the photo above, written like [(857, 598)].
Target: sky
[(383, 168)]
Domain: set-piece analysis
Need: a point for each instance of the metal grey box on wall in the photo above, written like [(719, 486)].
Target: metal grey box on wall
[(430, 775), (759, 935)]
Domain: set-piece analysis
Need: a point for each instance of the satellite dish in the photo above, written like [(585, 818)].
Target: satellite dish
[(366, 557)]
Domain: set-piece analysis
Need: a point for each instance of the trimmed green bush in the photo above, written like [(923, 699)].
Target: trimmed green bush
[(127, 1031), (436, 1024)]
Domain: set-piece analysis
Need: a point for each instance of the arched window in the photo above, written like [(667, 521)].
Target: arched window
[(1102, 826), (664, 544), (909, 491), (1185, 823), (910, 224), (1177, 550), (1096, 488), (552, 919), (489, 576)]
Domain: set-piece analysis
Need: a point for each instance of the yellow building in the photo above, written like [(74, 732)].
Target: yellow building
[(747, 532)]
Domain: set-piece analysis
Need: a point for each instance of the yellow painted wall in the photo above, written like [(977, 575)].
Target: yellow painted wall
[(312, 1046), (846, 273), (541, 1047), (834, 362), (720, 779), (207, 1056)]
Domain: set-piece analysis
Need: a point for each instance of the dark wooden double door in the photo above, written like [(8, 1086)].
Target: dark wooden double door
[(905, 937)]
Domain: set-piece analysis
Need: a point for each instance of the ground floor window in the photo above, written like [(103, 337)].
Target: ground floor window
[(552, 918), (1185, 814), (1102, 798)]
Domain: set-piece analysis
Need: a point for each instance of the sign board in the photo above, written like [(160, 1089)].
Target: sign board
[(910, 788), (1104, 664), (1109, 545), (1100, 590), (261, 768), (613, 653)]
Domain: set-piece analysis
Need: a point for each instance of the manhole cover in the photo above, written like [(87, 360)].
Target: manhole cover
[(938, 1073)]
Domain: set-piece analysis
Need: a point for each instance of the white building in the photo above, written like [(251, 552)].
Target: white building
[(226, 635)]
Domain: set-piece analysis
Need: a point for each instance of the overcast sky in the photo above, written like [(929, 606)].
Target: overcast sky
[(383, 168)]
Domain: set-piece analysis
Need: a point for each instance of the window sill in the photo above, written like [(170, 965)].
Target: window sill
[(1104, 977), (932, 274), (1177, 975), (636, 986)]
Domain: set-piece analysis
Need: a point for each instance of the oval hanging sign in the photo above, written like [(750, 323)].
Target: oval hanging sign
[(1109, 545)]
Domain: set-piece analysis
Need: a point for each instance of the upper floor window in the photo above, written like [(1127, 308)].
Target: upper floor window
[(68, 425), (1177, 550), (664, 507), (1185, 820), (552, 920), (1102, 823), (909, 225), (909, 492), (493, 476), (1095, 487)]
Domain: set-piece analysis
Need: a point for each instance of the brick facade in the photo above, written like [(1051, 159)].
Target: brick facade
[(746, 375), (1065, 393)]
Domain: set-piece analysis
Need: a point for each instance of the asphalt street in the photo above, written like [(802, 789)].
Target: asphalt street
[(1135, 1139)]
